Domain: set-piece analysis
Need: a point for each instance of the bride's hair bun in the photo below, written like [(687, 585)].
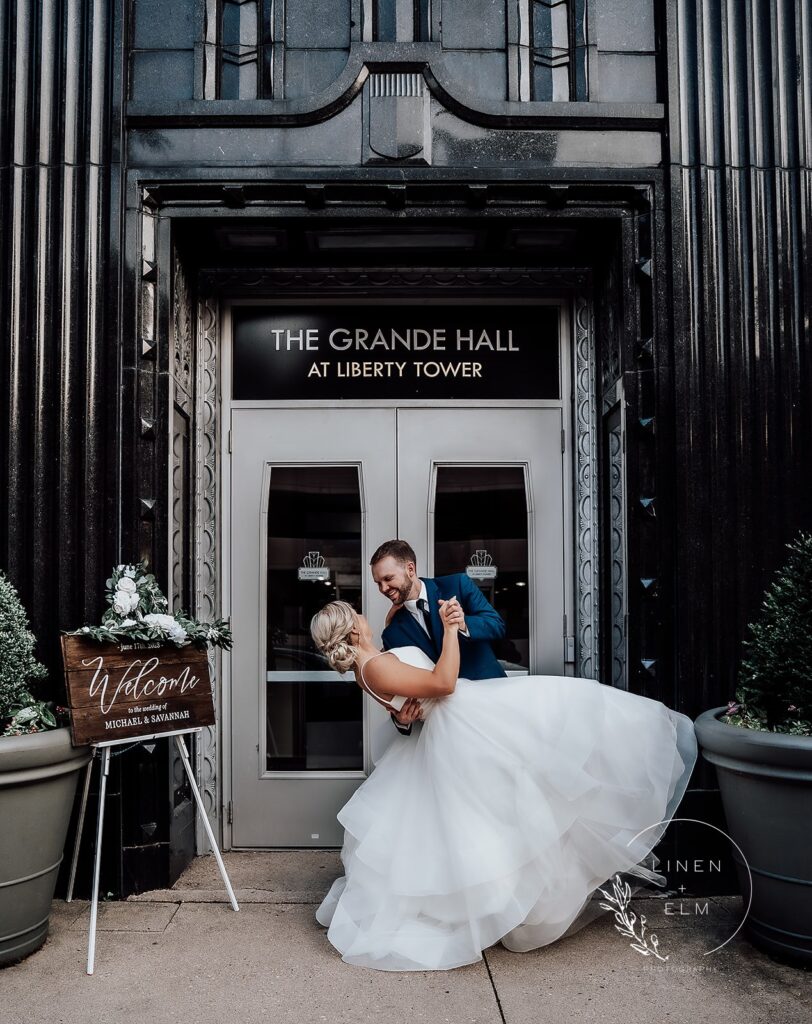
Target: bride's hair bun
[(341, 656), (331, 629)]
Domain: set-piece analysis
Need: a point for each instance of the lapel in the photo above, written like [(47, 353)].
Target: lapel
[(415, 635), (433, 596)]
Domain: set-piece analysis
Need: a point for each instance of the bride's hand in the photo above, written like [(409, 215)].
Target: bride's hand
[(410, 712), (448, 614)]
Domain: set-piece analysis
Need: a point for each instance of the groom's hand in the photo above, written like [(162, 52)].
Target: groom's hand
[(410, 712)]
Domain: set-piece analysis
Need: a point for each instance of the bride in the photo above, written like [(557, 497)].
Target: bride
[(518, 798)]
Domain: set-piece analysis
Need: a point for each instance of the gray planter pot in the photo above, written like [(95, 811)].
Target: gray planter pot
[(38, 776), (765, 781)]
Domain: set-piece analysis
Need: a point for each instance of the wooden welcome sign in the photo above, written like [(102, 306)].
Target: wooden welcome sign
[(139, 689)]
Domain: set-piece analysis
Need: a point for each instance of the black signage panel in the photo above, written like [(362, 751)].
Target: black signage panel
[(400, 352)]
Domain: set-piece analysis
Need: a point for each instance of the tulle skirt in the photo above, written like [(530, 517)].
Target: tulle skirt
[(514, 802)]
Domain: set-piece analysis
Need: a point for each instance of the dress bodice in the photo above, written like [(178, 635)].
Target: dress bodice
[(417, 659)]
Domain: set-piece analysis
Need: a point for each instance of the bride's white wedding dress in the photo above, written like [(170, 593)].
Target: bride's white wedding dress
[(516, 799)]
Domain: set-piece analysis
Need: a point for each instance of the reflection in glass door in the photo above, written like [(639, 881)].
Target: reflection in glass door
[(481, 528), (313, 719)]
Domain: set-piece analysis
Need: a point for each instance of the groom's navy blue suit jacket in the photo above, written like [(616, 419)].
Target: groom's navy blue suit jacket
[(482, 620)]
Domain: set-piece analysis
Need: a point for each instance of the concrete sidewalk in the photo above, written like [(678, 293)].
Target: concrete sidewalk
[(183, 954)]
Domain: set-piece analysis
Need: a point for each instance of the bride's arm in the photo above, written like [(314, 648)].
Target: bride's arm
[(390, 676)]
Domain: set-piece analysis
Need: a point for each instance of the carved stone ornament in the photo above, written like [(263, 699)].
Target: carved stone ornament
[(397, 124)]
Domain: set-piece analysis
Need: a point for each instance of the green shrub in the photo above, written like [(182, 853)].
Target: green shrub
[(20, 711), (775, 679)]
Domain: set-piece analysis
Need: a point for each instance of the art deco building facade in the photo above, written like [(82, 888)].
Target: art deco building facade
[(619, 187)]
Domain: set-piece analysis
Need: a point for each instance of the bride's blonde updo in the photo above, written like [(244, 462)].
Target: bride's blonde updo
[(330, 629)]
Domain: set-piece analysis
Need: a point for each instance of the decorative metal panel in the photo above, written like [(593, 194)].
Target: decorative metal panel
[(206, 542), (587, 574), (615, 513)]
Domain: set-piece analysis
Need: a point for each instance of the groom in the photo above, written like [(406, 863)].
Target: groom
[(414, 618)]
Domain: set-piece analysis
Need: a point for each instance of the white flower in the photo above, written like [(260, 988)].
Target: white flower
[(167, 624), (129, 572), (160, 620), (127, 585), (124, 603), (127, 622), (121, 602)]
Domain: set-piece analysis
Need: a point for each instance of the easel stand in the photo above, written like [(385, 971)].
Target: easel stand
[(105, 771)]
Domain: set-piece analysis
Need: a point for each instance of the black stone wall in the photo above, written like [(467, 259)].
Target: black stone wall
[(740, 179)]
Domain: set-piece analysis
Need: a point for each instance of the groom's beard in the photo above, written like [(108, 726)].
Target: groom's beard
[(402, 595)]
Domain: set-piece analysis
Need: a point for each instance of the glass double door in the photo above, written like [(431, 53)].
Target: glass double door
[(314, 491)]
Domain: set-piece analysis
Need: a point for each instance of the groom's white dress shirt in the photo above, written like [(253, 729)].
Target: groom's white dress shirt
[(413, 607), (414, 610)]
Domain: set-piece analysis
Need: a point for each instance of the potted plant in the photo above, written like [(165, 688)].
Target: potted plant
[(761, 745), (38, 773)]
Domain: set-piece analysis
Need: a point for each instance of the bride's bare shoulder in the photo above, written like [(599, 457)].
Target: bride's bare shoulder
[(372, 675)]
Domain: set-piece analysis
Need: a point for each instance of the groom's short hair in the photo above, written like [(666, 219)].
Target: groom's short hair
[(398, 549)]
